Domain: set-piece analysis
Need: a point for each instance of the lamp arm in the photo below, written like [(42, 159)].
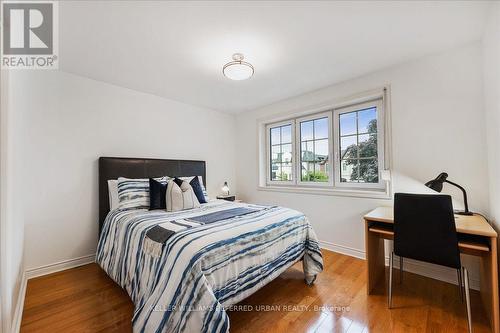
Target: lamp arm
[(463, 192)]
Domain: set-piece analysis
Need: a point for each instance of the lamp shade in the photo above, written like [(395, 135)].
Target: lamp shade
[(225, 188), (437, 183), (238, 69)]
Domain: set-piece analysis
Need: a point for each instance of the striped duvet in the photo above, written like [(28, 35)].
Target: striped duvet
[(205, 268)]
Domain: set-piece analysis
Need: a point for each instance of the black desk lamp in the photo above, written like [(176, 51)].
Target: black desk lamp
[(437, 185)]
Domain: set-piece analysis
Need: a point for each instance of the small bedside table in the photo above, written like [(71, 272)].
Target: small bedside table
[(227, 197)]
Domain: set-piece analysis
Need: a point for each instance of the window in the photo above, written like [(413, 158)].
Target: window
[(339, 148), (315, 157), (281, 156), (358, 148)]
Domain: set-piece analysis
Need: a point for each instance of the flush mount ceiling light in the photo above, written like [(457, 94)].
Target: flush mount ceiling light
[(238, 69)]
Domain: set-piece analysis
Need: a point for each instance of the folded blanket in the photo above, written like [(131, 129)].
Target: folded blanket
[(223, 215), (157, 236)]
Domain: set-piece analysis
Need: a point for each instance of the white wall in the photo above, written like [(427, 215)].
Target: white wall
[(491, 67), (11, 210), (437, 125), (70, 121)]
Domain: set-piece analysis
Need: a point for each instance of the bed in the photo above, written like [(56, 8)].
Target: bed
[(201, 269)]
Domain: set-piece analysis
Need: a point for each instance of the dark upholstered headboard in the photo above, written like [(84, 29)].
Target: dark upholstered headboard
[(114, 167)]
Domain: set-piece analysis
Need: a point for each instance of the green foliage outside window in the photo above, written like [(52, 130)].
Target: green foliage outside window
[(282, 176), (366, 168), (315, 176)]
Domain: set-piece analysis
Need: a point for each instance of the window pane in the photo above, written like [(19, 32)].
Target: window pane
[(348, 147), (307, 152), (275, 171), (321, 172), (349, 171), (308, 171), (347, 123), (358, 146), (367, 145), (321, 150), (286, 134), (286, 153), (275, 154), (306, 130), (315, 149), (286, 173), (368, 170), (321, 128), (367, 121), (304, 170), (281, 153), (275, 136)]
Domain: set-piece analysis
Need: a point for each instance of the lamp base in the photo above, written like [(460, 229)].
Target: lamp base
[(465, 213)]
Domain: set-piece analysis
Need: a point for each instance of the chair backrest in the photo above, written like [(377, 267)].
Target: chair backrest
[(424, 229)]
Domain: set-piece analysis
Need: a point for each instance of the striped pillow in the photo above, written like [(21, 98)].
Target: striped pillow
[(134, 193), (180, 196)]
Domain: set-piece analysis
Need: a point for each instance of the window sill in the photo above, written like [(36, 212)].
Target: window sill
[(341, 192)]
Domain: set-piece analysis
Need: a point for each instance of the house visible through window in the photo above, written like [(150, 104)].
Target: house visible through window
[(341, 147), (315, 149), (281, 153)]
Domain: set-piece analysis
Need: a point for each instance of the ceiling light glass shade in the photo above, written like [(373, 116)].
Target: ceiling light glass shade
[(238, 69)]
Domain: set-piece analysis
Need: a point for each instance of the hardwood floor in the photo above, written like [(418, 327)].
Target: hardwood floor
[(84, 299)]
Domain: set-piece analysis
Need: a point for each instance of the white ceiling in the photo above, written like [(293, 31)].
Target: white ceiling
[(177, 49)]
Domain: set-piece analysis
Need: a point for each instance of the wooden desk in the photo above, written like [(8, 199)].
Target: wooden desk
[(477, 238)]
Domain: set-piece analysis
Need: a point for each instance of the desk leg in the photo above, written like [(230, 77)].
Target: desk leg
[(375, 258), (489, 285)]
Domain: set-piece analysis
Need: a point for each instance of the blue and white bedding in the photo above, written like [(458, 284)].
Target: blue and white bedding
[(202, 268)]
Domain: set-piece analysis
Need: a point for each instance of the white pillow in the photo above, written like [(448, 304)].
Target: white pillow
[(200, 179), (113, 194), (180, 197)]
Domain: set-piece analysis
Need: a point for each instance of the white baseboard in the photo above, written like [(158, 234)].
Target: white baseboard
[(18, 313), (59, 266), (417, 267), (433, 271), (352, 252)]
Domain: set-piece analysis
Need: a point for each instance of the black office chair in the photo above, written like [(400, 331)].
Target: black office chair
[(424, 229)]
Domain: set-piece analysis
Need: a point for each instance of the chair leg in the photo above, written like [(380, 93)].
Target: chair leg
[(460, 284), (467, 298), (391, 259), (400, 270)]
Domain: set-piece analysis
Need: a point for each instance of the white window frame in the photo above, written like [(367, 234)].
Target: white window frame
[(382, 189), (378, 103), (269, 181), (298, 144)]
